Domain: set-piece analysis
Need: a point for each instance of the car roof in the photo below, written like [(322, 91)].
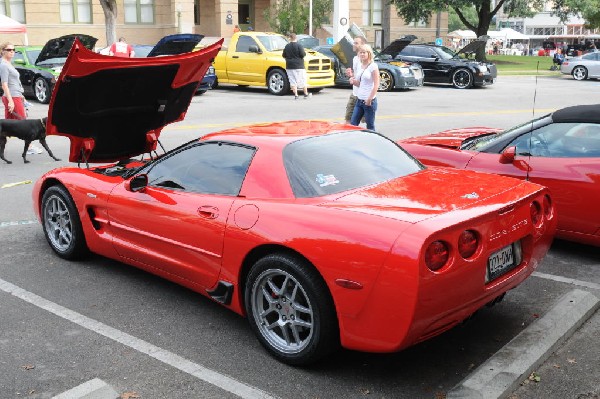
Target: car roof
[(285, 132), (578, 113)]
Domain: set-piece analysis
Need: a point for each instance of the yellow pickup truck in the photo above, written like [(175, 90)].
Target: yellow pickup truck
[(255, 59)]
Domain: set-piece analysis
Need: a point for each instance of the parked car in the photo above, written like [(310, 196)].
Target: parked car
[(178, 44), (582, 67), (393, 74), (560, 150), (443, 65), (40, 66), (269, 220)]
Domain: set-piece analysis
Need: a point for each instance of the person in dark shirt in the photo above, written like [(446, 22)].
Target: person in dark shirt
[(294, 54)]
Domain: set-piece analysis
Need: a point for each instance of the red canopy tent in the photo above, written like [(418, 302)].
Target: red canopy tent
[(9, 25)]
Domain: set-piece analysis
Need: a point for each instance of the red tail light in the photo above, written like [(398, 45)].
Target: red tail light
[(467, 243), (436, 255), (536, 213)]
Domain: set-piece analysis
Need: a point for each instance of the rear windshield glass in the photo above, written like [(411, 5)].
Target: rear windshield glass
[(343, 161)]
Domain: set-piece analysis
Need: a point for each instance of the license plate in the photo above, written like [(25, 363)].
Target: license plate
[(500, 262)]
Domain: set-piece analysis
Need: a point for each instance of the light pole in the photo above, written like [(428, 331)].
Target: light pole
[(310, 17)]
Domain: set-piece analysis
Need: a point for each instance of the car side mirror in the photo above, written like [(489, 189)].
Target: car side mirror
[(19, 62), (508, 155), (254, 49), (137, 183)]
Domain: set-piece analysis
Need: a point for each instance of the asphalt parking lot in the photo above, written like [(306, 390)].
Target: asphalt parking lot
[(63, 324)]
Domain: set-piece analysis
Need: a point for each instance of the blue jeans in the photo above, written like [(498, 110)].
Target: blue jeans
[(361, 109)]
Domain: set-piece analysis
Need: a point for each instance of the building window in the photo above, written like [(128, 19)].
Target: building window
[(196, 12), (418, 24), (76, 11), (14, 9), (372, 12), (139, 11)]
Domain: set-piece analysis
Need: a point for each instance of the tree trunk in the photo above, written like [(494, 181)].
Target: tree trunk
[(110, 15)]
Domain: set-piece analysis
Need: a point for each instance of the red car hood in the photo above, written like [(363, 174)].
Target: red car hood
[(424, 194), (451, 138), (114, 108)]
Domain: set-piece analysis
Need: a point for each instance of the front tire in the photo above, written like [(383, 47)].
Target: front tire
[(580, 73), (61, 223), (386, 80), (290, 309), (462, 78), (41, 89), (277, 82)]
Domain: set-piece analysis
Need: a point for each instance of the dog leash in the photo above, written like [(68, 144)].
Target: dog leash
[(19, 117)]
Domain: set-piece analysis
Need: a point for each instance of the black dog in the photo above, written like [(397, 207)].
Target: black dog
[(28, 130)]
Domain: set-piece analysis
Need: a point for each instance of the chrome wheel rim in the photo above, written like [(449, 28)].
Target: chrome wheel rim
[(385, 81), (282, 311), (579, 73), (40, 90), (462, 79), (276, 82), (57, 223)]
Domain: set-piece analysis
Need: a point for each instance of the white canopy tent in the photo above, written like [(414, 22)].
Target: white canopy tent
[(9, 26)]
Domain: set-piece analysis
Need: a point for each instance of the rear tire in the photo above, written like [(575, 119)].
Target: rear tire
[(580, 73), (290, 309), (61, 224)]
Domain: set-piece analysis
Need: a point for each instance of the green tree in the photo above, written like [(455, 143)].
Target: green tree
[(454, 22), (486, 10), (286, 16)]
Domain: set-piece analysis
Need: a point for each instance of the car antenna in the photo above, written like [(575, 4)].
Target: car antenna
[(533, 107)]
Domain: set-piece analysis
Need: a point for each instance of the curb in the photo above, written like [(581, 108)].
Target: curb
[(501, 374), (93, 389)]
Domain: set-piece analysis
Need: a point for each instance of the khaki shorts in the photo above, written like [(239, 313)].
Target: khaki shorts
[(297, 77), (350, 107)]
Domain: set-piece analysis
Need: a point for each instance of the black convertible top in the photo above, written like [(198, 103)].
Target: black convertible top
[(578, 113)]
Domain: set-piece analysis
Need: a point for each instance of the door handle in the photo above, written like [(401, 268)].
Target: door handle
[(235, 56), (208, 212)]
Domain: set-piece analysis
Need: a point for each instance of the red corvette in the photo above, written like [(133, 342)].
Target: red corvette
[(321, 234), (560, 150)]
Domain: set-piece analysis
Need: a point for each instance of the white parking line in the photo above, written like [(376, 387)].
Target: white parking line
[(194, 369), (17, 223), (567, 280)]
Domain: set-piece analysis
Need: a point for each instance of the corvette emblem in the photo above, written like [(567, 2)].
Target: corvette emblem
[(471, 196)]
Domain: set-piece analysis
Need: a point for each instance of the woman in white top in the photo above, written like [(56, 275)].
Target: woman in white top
[(366, 78)]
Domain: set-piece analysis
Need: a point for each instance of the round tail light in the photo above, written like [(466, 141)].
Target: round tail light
[(467, 243), (536, 213), (436, 255)]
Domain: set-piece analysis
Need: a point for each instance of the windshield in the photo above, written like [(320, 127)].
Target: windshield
[(32, 55), (273, 42), (445, 53), (53, 61), (343, 161), (479, 143)]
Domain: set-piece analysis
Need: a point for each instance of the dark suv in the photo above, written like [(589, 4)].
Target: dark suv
[(442, 65)]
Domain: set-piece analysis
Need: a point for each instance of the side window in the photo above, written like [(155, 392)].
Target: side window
[(561, 140), (244, 43), (208, 168)]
